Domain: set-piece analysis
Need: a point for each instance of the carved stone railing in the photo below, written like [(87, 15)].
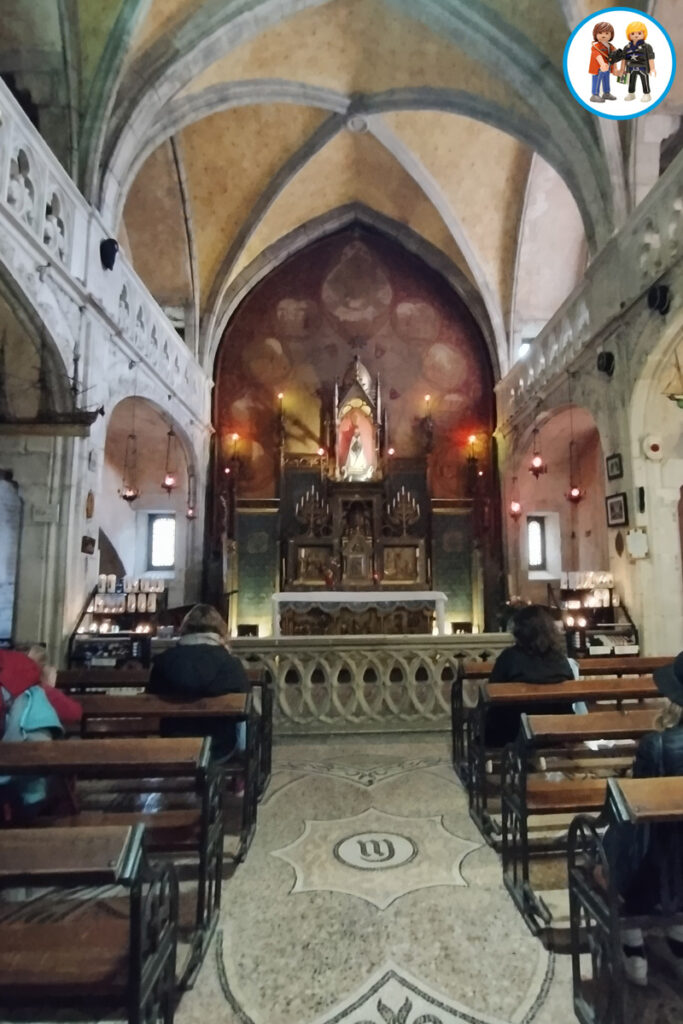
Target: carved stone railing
[(364, 683), (46, 224), (649, 244)]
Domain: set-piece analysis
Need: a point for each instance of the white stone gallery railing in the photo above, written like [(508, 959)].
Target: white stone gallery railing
[(364, 683), (646, 247), (45, 221)]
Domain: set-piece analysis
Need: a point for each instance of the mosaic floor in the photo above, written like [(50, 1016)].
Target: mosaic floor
[(368, 898)]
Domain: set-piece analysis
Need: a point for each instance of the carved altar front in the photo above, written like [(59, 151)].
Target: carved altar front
[(338, 613)]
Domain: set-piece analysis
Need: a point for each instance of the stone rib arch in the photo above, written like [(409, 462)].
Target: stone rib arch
[(56, 351), (425, 182), (328, 224), (214, 99), (198, 43)]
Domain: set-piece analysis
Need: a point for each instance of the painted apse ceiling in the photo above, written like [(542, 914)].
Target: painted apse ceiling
[(218, 139), (356, 293)]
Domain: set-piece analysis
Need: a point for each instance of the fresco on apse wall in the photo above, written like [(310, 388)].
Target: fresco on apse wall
[(354, 293)]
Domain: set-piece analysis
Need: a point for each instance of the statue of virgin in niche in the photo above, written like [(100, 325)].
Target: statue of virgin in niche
[(357, 466)]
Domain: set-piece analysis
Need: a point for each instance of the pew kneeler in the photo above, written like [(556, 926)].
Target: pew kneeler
[(126, 961)]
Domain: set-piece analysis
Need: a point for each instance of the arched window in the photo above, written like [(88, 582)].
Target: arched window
[(536, 545)]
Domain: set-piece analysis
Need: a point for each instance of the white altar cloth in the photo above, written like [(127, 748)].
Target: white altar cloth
[(346, 598)]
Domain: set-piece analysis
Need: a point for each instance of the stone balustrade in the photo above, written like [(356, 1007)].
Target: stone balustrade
[(364, 683), (649, 244), (47, 225)]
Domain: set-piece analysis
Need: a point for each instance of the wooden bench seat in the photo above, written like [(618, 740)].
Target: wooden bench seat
[(118, 711), (91, 954), (525, 794), (570, 796), (196, 830), (77, 681), (525, 695), (597, 914), (479, 672)]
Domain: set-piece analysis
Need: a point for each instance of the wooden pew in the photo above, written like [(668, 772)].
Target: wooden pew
[(479, 671), (524, 695), (77, 681), (197, 829), (596, 915), (145, 712), (525, 795), (129, 961)]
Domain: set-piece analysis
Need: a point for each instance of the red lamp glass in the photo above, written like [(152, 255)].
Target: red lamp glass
[(515, 510), (575, 494)]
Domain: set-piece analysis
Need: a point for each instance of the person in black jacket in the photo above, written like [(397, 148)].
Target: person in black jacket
[(537, 657), (200, 665), (631, 850)]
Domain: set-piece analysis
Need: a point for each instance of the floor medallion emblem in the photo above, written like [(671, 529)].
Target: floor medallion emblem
[(354, 855)]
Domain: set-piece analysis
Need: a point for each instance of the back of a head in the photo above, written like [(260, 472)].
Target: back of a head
[(204, 618), (534, 629)]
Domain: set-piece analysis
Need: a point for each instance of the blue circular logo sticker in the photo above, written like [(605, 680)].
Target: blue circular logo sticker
[(619, 63)]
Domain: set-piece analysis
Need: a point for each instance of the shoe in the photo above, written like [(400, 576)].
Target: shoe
[(608, 96), (597, 99), (631, 96), (635, 965), (647, 97)]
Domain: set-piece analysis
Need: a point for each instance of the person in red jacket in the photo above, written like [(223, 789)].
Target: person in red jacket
[(69, 710), (20, 671)]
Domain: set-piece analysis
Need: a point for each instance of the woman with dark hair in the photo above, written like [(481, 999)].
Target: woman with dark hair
[(536, 657), (200, 665)]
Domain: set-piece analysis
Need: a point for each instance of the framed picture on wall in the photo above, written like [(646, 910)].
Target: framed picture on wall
[(617, 509), (615, 468)]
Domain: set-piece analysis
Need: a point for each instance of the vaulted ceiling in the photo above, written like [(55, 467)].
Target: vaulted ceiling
[(217, 137)]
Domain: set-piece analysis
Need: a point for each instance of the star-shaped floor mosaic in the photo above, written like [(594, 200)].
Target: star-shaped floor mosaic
[(375, 856)]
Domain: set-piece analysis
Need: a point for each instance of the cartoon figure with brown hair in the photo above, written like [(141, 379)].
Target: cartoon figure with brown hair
[(639, 60), (599, 67)]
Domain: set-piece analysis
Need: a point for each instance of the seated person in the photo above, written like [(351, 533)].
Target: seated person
[(631, 849), (200, 665), (26, 713), (69, 710), (536, 657)]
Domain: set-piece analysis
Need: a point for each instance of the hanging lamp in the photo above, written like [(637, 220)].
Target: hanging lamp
[(575, 494), (515, 508), (129, 489), (537, 466), (170, 481)]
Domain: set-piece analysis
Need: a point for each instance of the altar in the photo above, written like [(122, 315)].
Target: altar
[(357, 613)]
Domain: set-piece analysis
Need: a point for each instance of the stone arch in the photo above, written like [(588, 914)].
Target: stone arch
[(577, 535), (38, 331), (125, 523), (653, 415), (199, 42), (328, 224)]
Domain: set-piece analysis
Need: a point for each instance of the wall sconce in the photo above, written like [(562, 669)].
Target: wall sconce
[(391, 451)]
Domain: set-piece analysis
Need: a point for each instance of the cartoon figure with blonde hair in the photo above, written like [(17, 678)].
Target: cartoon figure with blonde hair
[(599, 67), (638, 60)]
